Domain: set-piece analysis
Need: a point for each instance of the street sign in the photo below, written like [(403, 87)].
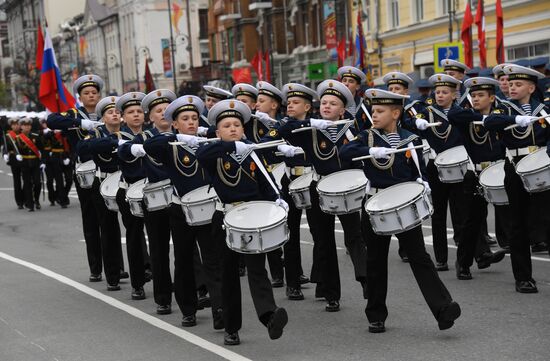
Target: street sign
[(316, 71), (444, 51)]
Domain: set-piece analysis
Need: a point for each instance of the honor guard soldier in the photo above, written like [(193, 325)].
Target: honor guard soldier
[(13, 158), (529, 118), (353, 78), (47, 161), (457, 70), (31, 148), (186, 174), (320, 144), (236, 178), (59, 165), (212, 96), (384, 170)]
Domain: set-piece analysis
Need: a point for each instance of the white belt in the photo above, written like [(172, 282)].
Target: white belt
[(481, 166), (123, 185), (317, 177), (298, 170), (226, 207), (372, 191), (511, 153), (176, 199), (101, 175)]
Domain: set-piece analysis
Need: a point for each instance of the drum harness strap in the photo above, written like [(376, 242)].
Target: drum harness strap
[(262, 169), (445, 134)]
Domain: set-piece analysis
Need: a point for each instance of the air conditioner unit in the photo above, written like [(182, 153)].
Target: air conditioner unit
[(182, 68), (426, 71)]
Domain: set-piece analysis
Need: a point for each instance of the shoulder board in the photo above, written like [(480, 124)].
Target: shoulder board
[(410, 104)]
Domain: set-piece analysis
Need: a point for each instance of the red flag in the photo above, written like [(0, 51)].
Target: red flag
[(466, 35), (341, 52), (480, 22), (149, 82), (242, 75), (256, 63), (500, 33), (351, 46), (267, 67), (39, 48)]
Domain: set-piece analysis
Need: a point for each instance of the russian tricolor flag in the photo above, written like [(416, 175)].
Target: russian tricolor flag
[(52, 94)]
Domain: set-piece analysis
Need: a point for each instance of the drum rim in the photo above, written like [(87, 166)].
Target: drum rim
[(398, 206), (158, 185), (109, 177), (298, 190), (300, 178), (332, 175), (532, 171), (197, 190), (448, 151), (245, 204), (86, 163)]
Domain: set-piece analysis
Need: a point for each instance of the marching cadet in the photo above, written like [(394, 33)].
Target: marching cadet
[(457, 70), (298, 97), (186, 174), (384, 170), (484, 149), (47, 161), (13, 158), (56, 149), (353, 78), (212, 96), (31, 148), (424, 87), (98, 145), (321, 144), (503, 89), (231, 157), (531, 133)]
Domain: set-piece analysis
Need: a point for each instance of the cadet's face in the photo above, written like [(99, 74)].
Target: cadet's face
[(15, 127), (384, 116), (266, 104), (455, 74), (210, 101), (112, 117), (89, 96), (297, 107), (444, 96), (398, 89), (133, 116), (26, 128), (230, 129), (332, 107), (187, 122), (352, 84), (520, 89), (248, 101), (157, 116), (504, 85), (482, 100)]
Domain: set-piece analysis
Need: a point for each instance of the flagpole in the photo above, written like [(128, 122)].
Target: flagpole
[(172, 46)]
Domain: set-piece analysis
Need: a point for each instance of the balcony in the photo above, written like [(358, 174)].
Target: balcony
[(256, 5)]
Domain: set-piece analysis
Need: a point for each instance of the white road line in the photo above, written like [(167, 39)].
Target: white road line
[(185, 335), (1, 171), (19, 332), (9, 174), (4, 321), (37, 345)]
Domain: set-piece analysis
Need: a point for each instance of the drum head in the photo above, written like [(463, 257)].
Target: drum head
[(537, 160), (199, 194), (156, 185), (302, 181), (86, 166), (394, 196), (254, 215), (452, 156), (109, 186), (493, 176), (342, 181), (136, 190)]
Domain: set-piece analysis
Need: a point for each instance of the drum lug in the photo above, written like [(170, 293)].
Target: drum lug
[(260, 239)]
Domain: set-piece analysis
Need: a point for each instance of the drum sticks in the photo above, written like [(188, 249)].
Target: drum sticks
[(401, 150)]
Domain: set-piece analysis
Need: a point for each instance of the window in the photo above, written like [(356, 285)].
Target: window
[(444, 7), (203, 23), (529, 51), (418, 10), (394, 14)]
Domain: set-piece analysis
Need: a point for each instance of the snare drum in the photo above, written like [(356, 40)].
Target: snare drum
[(398, 208), (452, 164), (85, 174), (342, 192), (109, 189), (299, 191), (157, 195), (199, 205), (256, 227), (491, 180), (134, 197), (534, 171)]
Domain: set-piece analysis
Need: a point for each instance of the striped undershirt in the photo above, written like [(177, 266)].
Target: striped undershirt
[(333, 131), (446, 111), (393, 139), (526, 108)]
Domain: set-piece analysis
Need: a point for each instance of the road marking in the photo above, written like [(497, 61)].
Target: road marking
[(4, 321), (37, 345), (9, 174), (19, 332), (185, 335)]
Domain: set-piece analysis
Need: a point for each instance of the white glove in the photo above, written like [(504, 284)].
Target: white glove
[(89, 124), (288, 150), (264, 118), (122, 141), (42, 166), (525, 120), (421, 124), (137, 150), (190, 140), (320, 123), (19, 157), (426, 184), (202, 131), (6, 157), (281, 203), (66, 161), (380, 152), (46, 130), (241, 147)]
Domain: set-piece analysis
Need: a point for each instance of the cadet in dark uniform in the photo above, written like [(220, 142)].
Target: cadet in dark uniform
[(13, 158), (59, 164), (458, 71), (48, 162), (531, 133), (353, 78), (212, 96), (228, 158), (31, 148), (385, 170)]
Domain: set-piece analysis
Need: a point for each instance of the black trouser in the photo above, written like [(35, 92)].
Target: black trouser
[(111, 248), (185, 238), (434, 291), (61, 176), (502, 225), (157, 224), (68, 173), (90, 227), (135, 239), (443, 193), (260, 287), (31, 183), (50, 181), (18, 184), (325, 271), (538, 225), (520, 201)]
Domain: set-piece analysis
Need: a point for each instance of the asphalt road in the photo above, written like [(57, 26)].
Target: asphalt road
[(49, 310)]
